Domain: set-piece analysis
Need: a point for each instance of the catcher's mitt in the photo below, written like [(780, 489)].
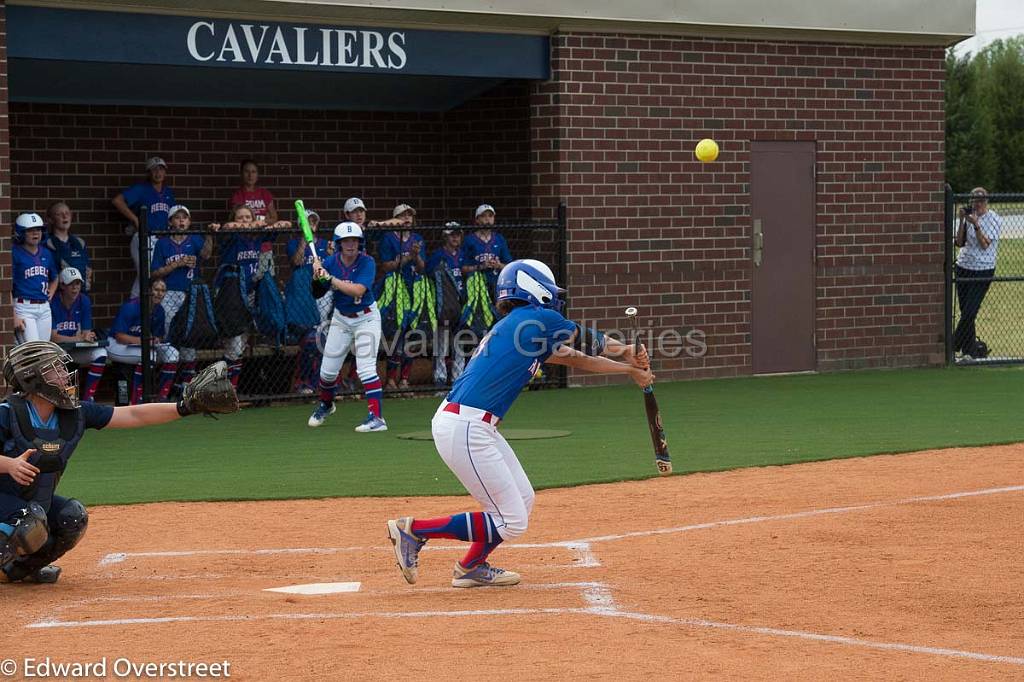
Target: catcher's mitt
[(209, 392)]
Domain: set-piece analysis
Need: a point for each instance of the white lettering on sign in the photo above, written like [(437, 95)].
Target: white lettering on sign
[(295, 45)]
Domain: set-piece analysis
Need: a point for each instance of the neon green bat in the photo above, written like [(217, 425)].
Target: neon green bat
[(307, 232)]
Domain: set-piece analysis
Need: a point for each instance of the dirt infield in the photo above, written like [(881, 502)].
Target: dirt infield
[(895, 567)]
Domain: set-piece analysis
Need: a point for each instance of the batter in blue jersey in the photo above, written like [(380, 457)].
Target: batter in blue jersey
[(464, 427)]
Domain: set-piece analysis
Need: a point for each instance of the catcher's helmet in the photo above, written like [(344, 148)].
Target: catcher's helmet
[(41, 367), (346, 230), (24, 223), (531, 281)]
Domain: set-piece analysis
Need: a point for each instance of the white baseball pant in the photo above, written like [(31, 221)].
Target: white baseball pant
[(132, 355), (37, 321), (485, 464), (361, 335)]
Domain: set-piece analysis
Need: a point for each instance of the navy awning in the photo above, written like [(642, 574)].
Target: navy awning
[(79, 56)]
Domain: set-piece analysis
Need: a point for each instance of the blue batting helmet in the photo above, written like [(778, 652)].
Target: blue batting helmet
[(531, 281), (24, 223)]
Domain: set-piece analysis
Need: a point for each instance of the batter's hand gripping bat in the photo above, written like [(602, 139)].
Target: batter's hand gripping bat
[(662, 460)]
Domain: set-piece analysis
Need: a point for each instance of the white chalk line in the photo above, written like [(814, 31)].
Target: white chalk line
[(580, 547), (832, 639), (597, 595), (580, 550)]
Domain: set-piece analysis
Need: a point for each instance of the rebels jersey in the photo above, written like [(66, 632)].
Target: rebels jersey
[(129, 319), (362, 271), (144, 194), (32, 273), (509, 356), (70, 321), (168, 251), (244, 251), (476, 251), (297, 243), (392, 246)]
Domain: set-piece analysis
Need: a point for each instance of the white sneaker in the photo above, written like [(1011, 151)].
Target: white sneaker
[(320, 414), (372, 424)]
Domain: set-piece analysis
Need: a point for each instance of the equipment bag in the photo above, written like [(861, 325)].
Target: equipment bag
[(194, 326), (231, 304)]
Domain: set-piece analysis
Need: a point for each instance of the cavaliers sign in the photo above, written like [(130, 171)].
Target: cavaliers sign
[(256, 44), (86, 36)]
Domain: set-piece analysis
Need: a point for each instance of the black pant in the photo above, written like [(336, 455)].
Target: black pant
[(969, 295)]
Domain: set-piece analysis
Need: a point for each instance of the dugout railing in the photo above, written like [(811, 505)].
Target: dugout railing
[(281, 367), (999, 322)]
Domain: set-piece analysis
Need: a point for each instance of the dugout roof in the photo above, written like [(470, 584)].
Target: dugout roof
[(399, 55)]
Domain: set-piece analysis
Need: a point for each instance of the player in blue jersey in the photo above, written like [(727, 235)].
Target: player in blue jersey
[(297, 293), (239, 260), (154, 194), (449, 360), (401, 252), (34, 275), (69, 250), (72, 323), (126, 339), (175, 259), (532, 332), (355, 324), (485, 250)]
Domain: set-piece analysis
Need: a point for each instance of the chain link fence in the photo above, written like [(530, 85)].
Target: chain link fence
[(985, 305), (248, 301)]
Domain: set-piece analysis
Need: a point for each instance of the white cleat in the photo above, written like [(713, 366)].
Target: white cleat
[(372, 424), (320, 414), (483, 575)]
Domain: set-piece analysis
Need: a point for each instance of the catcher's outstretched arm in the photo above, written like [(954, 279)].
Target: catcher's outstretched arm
[(134, 416)]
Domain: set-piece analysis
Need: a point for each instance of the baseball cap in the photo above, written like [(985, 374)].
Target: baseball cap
[(450, 227), (155, 161), (29, 221), (354, 203), (176, 208), (483, 208), (69, 275), (402, 208)]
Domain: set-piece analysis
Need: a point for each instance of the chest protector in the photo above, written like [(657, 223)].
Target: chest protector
[(51, 455)]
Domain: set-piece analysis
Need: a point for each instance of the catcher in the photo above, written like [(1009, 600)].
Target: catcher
[(41, 423)]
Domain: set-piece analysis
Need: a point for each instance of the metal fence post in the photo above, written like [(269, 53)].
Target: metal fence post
[(144, 304), (947, 240)]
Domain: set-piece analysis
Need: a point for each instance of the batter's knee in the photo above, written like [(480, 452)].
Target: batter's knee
[(528, 498)]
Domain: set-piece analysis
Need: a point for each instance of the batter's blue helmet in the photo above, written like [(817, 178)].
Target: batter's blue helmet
[(24, 223), (531, 281)]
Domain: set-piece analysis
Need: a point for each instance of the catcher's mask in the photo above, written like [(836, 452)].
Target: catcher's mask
[(41, 368)]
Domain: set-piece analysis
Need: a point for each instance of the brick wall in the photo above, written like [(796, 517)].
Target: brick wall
[(439, 163), (613, 133)]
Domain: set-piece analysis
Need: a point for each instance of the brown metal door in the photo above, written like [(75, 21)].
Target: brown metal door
[(782, 300)]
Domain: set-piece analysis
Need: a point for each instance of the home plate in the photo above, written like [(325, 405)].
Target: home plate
[(316, 588)]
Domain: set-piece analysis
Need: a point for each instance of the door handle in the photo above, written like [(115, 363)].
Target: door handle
[(758, 245)]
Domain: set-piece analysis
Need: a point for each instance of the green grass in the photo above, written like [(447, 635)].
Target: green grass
[(270, 453), (1000, 322)]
